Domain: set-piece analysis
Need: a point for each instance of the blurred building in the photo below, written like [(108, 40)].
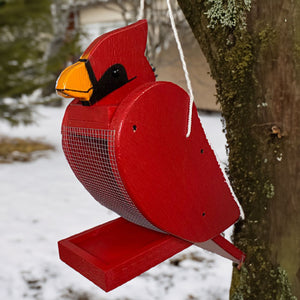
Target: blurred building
[(96, 17)]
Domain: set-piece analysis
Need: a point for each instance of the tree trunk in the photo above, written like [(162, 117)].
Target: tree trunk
[(254, 56)]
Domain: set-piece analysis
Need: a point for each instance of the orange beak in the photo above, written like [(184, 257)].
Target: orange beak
[(74, 82)]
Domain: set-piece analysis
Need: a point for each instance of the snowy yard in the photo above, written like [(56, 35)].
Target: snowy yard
[(42, 203)]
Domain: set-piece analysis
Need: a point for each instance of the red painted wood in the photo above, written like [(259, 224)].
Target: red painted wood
[(95, 116), (169, 177), (113, 253), (239, 255), (174, 181), (124, 46), (130, 152)]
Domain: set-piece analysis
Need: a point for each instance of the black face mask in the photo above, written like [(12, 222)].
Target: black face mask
[(113, 78)]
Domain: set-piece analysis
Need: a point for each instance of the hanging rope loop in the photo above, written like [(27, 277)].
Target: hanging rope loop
[(141, 10), (186, 73)]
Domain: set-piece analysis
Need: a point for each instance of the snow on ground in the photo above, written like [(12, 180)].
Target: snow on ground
[(42, 202)]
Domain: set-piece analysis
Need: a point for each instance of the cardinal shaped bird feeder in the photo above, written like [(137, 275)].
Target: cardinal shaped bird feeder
[(124, 136)]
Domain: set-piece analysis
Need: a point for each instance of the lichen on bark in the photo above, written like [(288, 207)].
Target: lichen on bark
[(230, 13)]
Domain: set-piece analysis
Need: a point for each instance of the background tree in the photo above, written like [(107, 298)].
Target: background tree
[(24, 27), (253, 49), (27, 33), (64, 46), (23, 31)]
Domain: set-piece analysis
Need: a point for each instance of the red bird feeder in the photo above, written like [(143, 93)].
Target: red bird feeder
[(124, 136)]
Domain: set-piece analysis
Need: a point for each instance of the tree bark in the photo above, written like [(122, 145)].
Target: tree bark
[(254, 56)]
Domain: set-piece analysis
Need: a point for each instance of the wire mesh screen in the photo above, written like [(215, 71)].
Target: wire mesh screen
[(91, 155)]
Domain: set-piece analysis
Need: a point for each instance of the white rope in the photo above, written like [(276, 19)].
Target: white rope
[(186, 73), (141, 10)]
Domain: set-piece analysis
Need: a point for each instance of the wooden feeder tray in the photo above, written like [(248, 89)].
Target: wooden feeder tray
[(115, 252)]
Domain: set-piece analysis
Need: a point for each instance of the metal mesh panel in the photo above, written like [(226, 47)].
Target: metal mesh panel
[(91, 155)]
